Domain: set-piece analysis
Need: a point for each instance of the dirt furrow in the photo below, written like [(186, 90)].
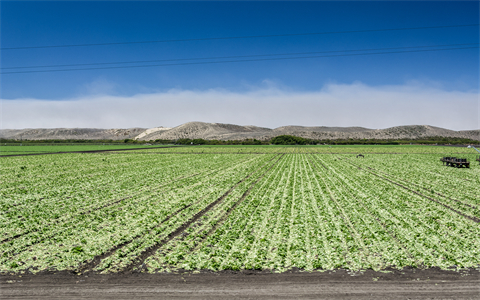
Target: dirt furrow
[(232, 208), (92, 209), (59, 222), (151, 250), (437, 193), (89, 266), (353, 232), (475, 219)]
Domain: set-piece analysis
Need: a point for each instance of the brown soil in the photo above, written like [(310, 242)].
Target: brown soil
[(339, 284)]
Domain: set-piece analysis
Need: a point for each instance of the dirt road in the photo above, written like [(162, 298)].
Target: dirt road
[(339, 284)]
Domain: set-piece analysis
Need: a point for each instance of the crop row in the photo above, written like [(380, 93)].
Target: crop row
[(319, 149), (36, 208), (225, 211), (325, 213), (87, 235), (428, 173), (213, 198)]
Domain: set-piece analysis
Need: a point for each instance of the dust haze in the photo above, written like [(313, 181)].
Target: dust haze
[(345, 105)]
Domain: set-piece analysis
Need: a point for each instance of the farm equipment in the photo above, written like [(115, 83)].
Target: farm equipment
[(455, 162), (478, 159)]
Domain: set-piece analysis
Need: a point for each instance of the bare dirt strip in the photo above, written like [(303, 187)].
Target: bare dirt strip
[(338, 284)]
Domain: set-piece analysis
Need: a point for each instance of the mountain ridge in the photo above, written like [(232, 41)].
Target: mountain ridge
[(223, 131)]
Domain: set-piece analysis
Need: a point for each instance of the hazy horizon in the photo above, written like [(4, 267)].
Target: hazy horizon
[(269, 64)]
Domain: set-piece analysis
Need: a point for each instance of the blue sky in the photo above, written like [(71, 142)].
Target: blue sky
[(57, 23)]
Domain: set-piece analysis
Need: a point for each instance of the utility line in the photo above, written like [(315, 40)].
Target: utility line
[(231, 61), (228, 57), (235, 37)]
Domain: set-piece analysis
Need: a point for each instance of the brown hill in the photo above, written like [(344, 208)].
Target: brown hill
[(212, 131), (70, 133), (219, 131)]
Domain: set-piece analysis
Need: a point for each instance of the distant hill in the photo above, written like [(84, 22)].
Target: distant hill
[(70, 134), (219, 131)]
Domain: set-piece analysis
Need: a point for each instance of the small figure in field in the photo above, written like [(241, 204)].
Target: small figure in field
[(360, 155)]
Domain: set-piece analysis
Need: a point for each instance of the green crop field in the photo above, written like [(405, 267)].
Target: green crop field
[(36, 149), (240, 207)]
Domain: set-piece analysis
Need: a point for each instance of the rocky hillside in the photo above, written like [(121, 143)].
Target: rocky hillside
[(219, 131), (212, 131), (70, 133)]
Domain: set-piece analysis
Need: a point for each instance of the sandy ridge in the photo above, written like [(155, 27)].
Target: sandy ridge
[(220, 131)]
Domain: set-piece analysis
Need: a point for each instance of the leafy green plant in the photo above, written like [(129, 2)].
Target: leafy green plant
[(77, 250)]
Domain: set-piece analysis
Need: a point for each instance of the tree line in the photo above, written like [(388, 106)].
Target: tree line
[(278, 140)]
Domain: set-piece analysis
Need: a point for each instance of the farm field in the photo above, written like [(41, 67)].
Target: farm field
[(322, 149), (265, 208), (36, 149)]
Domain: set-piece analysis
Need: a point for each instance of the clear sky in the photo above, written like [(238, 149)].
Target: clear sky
[(375, 91)]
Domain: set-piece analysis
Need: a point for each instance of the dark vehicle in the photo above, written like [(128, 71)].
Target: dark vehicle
[(455, 162)]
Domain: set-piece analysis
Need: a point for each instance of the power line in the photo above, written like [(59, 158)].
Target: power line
[(231, 61), (236, 37), (228, 57)]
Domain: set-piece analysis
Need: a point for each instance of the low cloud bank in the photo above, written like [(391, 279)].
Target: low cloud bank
[(334, 105)]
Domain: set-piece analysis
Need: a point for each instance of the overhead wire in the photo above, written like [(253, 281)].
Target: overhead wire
[(234, 37), (243, 60), (229, 57)]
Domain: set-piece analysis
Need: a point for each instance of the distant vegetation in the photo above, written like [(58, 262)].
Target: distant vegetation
[(295, 140), (278, 140), (217, 142), (291, 140)]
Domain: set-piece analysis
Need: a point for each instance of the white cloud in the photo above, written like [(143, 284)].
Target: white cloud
[(334, 105), (100, 86)]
